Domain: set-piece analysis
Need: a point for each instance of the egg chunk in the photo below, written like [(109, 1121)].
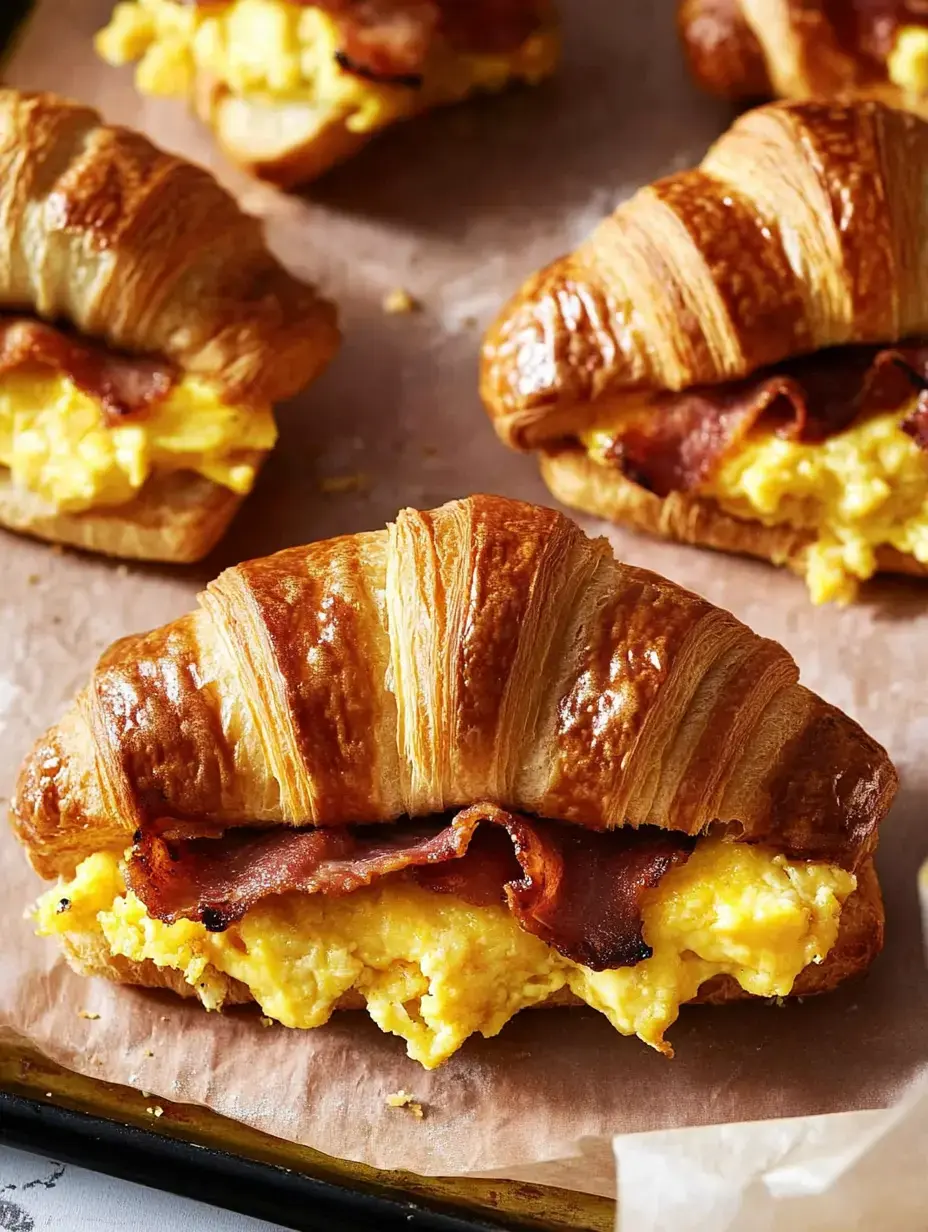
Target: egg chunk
[(908, 61), (56, 441), (270, 51), (856, 492), (434, 970)]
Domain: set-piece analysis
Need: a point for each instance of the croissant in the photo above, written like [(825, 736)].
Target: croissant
[(735, 357), (751, 49), (146, 332), (330, 74), (471, 742)]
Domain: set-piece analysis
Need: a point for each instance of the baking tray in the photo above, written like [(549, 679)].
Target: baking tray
[(200, 1155)]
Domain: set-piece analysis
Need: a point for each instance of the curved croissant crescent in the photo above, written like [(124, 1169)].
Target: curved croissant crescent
[(486, 650), (752, 49), (147, 252), (803, 228)]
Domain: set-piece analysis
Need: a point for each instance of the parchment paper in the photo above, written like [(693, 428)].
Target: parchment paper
[(457, 208)]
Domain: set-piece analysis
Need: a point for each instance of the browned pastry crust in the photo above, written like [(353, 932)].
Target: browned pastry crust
[(752, 49), (799, 231), (294, 142), (149, 254), (486, 650), (860, 939), (603, 491), (177, 517)]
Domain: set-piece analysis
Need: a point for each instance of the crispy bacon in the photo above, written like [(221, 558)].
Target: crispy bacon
[(580, 891), (680, 441), (123, 384), (390, 40)]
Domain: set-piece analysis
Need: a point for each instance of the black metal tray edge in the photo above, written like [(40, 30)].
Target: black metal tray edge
[(278, 1195)]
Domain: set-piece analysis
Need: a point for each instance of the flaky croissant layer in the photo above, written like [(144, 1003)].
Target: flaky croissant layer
[(486, 650)]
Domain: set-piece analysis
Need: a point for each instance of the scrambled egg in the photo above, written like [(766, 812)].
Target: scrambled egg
[(273, 51), (433, 969), (860, 490), (908, 60), (56, 442)]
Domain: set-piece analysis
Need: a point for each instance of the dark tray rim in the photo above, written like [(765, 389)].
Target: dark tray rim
[(278, 1195)]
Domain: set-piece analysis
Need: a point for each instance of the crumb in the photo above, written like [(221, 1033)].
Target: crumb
[(164, 1018), (266, 1022), (155, 1110), (48, 1095), (148, 1052), (399, 302), (402, 1099), (34, 578), (336, 485), (88, 1014)]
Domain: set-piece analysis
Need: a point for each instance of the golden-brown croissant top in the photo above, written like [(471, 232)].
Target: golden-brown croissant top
[(485, 651), (148, 253), (803, 228), (752, 49)]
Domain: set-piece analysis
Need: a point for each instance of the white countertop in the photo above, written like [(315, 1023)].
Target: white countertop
[(40, 1195)]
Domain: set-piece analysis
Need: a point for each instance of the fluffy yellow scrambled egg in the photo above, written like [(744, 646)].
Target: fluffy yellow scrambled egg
[(273, 51), (56, 442), (908, 60), (860, 490), (433, 969)]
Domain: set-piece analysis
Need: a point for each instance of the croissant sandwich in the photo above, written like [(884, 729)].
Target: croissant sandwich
[(751, 49), (146, 332), (448, 770), (291, 87), (737, 356)]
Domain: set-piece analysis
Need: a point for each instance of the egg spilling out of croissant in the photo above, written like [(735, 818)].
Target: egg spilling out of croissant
[(737, 357), (147, 331), (292, 87), (450, 770), (753, 49)]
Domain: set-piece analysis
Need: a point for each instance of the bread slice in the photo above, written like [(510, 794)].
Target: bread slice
[(860, 939), (286, 143), (177, 516), (581, 482)]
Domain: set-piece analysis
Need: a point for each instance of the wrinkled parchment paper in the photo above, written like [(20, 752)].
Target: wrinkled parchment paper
[(457, 208), (853, 1171)]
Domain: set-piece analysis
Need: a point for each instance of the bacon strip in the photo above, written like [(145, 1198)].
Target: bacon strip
[(124, 385), (680, 441), (580, 891), (390, 40)]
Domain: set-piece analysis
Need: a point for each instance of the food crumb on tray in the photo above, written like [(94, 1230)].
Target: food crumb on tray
[(265, 1021), (402, 1099), (336, 485), (398, 302), (90, 1015), (155, 1110)]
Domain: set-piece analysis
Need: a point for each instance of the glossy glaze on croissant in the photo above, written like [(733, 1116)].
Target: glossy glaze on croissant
[(147, 252), (752, 49), (102, 232), (487, 650), (802, 228)]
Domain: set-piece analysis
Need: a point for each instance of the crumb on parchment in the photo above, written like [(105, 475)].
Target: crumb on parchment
[(337, 485), (148, 1052), (90, 1015), (265, 1021), (402, 1099), (398, 302)]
